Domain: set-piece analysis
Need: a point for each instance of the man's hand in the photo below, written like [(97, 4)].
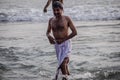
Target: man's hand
[(51, 39)]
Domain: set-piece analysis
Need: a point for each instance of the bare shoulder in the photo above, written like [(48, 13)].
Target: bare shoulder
[(70, 22), (67, 18), (51, 20)]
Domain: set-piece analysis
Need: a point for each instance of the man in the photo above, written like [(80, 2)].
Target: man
[(48, 3), (59, 25)]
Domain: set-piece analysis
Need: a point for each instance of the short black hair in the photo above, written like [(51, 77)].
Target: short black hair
[(57, 4)]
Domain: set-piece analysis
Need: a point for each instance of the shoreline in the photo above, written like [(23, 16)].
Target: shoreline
[(76, 23), (97, 23)]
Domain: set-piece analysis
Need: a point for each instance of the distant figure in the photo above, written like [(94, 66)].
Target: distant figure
[(48, 3), (59, 25)]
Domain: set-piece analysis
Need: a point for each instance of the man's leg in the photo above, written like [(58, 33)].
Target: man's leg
[(64, 66), (68, 73)]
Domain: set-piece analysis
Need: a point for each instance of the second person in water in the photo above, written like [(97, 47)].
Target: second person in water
[(48, 3)]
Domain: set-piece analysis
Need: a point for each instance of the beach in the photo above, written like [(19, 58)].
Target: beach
[(25, 52)]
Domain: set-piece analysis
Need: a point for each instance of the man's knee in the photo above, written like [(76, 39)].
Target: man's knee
[(63, 64), (66, 60)]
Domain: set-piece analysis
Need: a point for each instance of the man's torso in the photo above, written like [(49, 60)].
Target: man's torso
[(59, 28)]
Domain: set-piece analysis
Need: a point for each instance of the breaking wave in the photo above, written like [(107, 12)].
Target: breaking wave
[(77, 13)]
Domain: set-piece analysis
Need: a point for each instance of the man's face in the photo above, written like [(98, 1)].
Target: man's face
[(57, 12)]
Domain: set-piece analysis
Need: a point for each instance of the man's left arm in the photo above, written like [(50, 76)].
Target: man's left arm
[(72, 27)]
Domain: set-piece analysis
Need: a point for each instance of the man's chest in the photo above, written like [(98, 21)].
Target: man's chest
[(59, 25)]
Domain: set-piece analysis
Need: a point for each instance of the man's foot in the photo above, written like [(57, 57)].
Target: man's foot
[(64, 78)]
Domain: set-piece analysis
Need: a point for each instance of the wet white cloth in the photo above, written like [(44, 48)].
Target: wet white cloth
[(62, 50)]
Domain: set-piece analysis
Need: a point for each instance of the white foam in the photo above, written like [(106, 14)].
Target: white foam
[(77, 13), (94, 12)]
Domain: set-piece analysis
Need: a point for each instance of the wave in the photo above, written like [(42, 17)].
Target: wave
[(77, 13), (9, 38), (18, 15), (107, 75), (8, 54), (97, 12), (3, 68)]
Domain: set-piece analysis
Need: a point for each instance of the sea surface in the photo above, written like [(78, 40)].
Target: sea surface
[(25, 53), (78, 10)]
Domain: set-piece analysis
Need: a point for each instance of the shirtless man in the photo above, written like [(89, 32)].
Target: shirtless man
[(48, 3), (59, 25)]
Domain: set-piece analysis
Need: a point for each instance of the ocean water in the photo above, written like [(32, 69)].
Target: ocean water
[(25, 53), (78, 10)]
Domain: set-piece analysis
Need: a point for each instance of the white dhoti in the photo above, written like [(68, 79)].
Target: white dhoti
[(63, 50)]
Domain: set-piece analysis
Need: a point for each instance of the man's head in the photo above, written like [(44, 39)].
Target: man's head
[(57, 4), (57, 8)]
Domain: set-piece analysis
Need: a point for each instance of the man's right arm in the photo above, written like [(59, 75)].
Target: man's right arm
[(50, 38)]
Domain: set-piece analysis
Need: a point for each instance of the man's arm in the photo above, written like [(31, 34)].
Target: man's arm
[(72, 27), (47, 4), (50, 38)]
